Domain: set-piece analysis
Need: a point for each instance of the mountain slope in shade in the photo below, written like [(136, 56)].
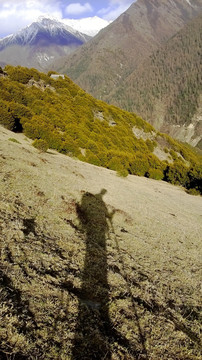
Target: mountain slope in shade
[(101, 65), (166, 89), (40, 43)]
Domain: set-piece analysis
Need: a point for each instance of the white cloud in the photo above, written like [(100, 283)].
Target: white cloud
[(115, 8), (15, 15), (77, 9)]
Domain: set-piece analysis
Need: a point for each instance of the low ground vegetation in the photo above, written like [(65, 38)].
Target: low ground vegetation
[(94, 266), (72, 122)]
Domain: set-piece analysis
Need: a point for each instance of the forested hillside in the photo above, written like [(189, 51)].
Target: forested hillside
[(61, 116), (166, 88), (113, 66), (103, 64)]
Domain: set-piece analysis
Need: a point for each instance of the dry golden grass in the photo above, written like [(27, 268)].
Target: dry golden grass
[(87, 274)]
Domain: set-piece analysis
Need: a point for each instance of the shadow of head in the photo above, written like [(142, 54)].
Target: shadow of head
[(103, 192), (92, 211)]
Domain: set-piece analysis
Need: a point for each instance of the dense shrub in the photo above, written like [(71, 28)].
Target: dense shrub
[(6, 118), (151, 145), (173, 155), (194, 179), (69, 147), (41, 145), (4, 95), (76, 124), (140, 165), (176, 173), (20, 74), (122, 172), (115, 164), (92, 158), (156, 174)]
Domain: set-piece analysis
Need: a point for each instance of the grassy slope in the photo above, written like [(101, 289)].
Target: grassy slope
[(49, 294), (75, 123)]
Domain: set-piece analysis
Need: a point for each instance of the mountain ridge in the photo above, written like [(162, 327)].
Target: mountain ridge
[(103, 66), (40, 42), (166, 88), (122, 45)]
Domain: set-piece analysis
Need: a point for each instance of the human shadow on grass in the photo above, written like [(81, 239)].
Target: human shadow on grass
[(94, 331)]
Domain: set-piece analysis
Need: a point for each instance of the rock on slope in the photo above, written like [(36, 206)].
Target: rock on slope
[(73, 282)]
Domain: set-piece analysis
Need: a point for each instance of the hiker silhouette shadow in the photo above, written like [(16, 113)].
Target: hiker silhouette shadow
[(93, 323), (94, 332)]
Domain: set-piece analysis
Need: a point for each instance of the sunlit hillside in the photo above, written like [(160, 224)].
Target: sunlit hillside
[(94, 265), (58, 114)]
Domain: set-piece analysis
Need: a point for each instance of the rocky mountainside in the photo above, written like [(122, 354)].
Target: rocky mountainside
[(166, 89), (102, 64), (94, 264), (40, 43)]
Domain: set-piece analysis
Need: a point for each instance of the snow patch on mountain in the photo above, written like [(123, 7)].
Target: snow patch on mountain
[(44, 57), (90, 26)]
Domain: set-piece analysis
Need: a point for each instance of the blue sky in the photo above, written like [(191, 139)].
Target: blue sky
[(16, 14)]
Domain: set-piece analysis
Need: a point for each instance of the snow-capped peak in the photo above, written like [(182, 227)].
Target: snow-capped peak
[(53, 25), (50, 26), (46, 17)]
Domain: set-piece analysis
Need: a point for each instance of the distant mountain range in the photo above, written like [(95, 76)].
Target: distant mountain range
[(147, 61), (104, 66), (40, 43)]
